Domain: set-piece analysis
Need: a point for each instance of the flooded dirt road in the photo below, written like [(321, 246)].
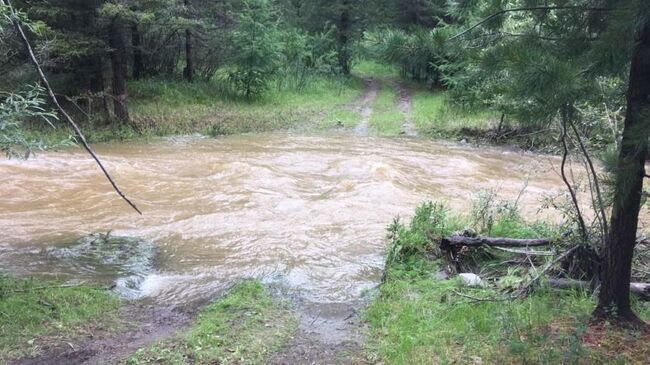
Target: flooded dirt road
[(308, 212)]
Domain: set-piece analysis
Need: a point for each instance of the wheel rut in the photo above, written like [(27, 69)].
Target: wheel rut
[(365, 106)]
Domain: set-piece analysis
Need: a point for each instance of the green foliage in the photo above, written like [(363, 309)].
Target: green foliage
[(257, 49), (430, 220), (34, 312), (436, 114), (164, 107), (244, 327), (15, 110), (417, 318), (416, 53)]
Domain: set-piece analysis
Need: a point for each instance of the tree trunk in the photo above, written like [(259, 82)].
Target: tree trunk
[(136, 43), (118, 63), (188, 72), (640, 289), (343, 38), (459, 241), (614, 296)]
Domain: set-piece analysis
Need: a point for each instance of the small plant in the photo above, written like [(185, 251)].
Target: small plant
[(15, 110), (430, 220), (487, 211)]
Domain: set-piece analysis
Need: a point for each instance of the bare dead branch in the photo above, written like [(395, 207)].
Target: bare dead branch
[(574, 198), (16, 22), (592, 170)]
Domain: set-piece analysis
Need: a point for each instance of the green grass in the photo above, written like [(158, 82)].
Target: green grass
[(370, 68), (160, 107), (344, 117), (434, 114), (169, 107), (36, 314), (418, 319), (245, 327), (386, 119)]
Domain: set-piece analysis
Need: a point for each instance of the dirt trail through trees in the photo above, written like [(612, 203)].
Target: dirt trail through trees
[(405, 105), (365, 106)]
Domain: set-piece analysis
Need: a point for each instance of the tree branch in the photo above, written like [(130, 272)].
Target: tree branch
[(532, 8), (574, 198), (592, 170), (16, 22)]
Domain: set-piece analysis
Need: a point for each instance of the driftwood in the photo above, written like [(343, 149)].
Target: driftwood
[(640, 289), (460, 241)]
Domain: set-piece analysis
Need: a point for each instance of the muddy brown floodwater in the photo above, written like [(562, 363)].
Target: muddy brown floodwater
[(309, 212)]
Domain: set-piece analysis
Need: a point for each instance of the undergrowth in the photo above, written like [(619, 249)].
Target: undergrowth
[(420, 317)]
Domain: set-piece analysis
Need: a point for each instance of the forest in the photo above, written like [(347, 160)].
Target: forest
[(324, 182)]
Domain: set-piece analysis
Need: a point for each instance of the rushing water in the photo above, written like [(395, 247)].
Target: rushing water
[(310, 211)]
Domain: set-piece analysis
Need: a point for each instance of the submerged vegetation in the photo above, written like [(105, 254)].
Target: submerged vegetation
[(421, 316)]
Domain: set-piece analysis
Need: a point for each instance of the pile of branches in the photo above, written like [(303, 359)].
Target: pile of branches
[(560, 266)]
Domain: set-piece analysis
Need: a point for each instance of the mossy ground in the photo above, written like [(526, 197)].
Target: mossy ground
[(36, 314), (418, 318), (245, 327)]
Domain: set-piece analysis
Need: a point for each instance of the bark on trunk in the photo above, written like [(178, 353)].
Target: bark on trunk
[(459, 241), (614, 297), (344, 38), (118, 62), (188, 72), (136, 43)]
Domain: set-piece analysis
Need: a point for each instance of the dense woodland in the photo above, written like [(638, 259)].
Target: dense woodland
[(578, 70)]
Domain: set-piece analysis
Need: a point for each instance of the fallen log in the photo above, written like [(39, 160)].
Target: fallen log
[(640, 289), (459, 241)]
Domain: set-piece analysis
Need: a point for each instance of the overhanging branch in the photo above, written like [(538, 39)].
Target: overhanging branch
[(16, 22), (531, 8)]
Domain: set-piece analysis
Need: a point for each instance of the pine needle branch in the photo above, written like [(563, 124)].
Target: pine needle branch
[(531, 8)]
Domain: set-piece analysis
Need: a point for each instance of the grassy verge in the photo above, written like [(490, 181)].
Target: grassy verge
[(435, 115), (41, 314), (163, 107), (245, 327), (419, 318), (386, 119), (171, 107)]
